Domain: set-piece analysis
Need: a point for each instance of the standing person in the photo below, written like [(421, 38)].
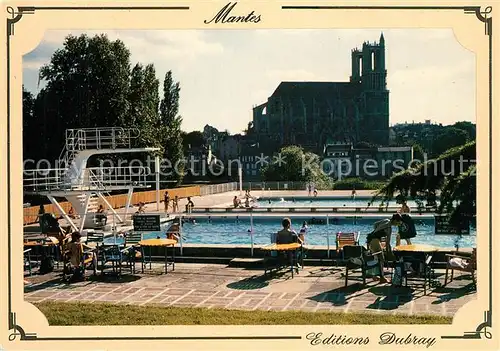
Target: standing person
[(404, 208), (406, 229), (309, 189), (382, 228), (41, 212), (166, 200), (189, 205), (353, 193), (303, 232), (175, 204)]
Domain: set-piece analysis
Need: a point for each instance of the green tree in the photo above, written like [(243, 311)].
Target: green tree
[(144, 101), (468, 127), (453, 174), (297, 165), (193, 139), (447, 139), (170, 127), (30, 130), (87, 85), (418, 152)]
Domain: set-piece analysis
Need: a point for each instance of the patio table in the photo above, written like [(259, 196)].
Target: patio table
[(292, 247), (166, 243), (415, 250)]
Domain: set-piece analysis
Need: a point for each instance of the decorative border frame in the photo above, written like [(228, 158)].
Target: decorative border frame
[(16, 16)]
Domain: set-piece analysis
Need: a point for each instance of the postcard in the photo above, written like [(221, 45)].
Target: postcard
[(249, 174)]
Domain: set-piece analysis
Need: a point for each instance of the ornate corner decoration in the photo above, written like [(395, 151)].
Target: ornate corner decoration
[(16, 16), (482, 16), (17, 330)]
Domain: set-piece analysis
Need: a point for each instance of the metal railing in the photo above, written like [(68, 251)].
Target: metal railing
[(95, 138), (218, 188), (97, 178), (44, 179), (103, 177), (261, 186)]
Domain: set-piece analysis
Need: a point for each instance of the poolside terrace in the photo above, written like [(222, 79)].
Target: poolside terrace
[(315, 288)]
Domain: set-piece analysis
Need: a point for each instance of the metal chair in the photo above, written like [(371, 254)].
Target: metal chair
[(27, 259), (470, 265), (357, 257), (133, 250)]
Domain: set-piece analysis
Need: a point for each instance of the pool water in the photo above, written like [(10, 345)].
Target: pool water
[(234, 231), (302, 201)]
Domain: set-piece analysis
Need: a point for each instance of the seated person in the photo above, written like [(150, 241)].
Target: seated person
[(406, 230), (189, 205), (286, 235), (77, 258), (247, 202), (173, 231), (101, 214), (141, 208), (71, 212), (236, 202)]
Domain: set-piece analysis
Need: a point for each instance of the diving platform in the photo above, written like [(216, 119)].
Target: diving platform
[(85, 186)]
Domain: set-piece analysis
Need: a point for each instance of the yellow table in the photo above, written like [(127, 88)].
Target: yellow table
[(416, 248), (160, 243), (286, 247), (282, 247)]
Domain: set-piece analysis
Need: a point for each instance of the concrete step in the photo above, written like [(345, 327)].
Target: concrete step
[(246, 262)]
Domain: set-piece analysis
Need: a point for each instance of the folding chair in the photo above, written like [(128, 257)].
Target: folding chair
[(344, 239)]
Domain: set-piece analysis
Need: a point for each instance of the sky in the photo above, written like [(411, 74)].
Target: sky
[(224, 73)]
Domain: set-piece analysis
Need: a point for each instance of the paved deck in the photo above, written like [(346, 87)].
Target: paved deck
[(211, 285)]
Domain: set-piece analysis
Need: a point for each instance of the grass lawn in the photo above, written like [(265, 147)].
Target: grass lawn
[(65, 313)]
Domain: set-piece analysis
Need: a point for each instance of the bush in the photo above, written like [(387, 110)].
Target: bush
[(358, 184)]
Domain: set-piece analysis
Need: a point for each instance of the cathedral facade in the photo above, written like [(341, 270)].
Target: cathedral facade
[(312, 114)]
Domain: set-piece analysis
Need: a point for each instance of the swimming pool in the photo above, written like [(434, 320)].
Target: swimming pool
[(304, 201), (234, 231)]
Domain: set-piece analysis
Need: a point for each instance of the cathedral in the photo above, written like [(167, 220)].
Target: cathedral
[(312, 114)]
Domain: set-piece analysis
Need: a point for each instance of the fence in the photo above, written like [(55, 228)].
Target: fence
[(218, 188), (275, 185), (116, 201)]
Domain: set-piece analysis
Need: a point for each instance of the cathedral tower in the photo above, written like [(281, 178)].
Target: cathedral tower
[(368, 69)]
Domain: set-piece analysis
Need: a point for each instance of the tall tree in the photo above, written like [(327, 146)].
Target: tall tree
[(144, 101), (170, 126), (193, 139), (29, 127), (87, 83)]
